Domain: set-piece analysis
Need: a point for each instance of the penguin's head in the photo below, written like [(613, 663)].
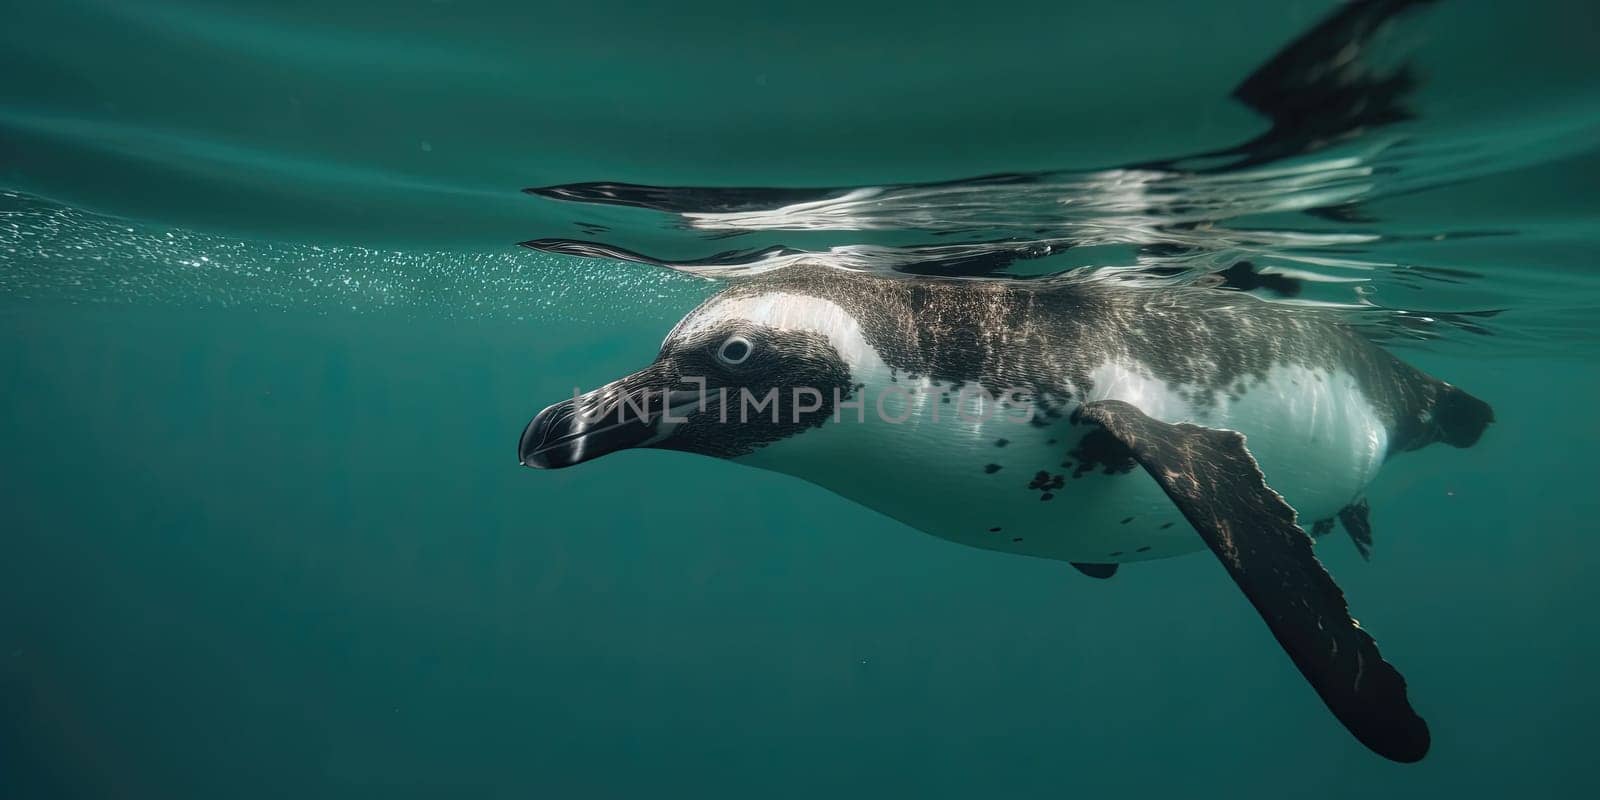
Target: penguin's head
[(744, 370)]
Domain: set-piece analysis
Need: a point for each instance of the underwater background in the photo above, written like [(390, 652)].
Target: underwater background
[(267, 342)]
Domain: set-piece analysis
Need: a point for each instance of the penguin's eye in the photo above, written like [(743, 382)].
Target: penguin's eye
[(735, 351)]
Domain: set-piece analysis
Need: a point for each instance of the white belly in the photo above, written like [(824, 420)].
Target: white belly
[(1317, 439)]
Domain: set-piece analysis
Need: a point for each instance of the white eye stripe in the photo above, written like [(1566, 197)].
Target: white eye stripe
[(735, 350)]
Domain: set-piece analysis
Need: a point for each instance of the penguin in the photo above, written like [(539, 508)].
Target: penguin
[(1081, 419)]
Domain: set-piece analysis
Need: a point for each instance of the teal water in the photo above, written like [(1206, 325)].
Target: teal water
[(268, 344)]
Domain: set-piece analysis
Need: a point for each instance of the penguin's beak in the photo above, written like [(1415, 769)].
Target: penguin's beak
[(636, 411), (558, 438)]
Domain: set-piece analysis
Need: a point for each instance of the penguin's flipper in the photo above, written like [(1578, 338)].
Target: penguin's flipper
[(1217, 485), (1096, 570)]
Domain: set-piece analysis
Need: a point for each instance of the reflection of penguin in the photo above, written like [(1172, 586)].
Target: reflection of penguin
[(1244, 277), (1140, 404), (1323, 88)]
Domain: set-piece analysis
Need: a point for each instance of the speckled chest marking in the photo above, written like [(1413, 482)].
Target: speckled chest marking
[(1064, 490)]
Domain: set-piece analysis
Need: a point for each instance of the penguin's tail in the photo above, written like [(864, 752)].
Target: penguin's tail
[(1459, 419)]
